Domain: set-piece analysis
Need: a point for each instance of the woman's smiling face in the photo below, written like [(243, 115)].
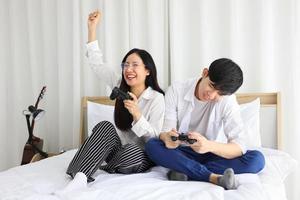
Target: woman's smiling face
[(134, 71)]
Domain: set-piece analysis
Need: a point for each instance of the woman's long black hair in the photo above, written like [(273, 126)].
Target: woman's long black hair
[(123, 119)]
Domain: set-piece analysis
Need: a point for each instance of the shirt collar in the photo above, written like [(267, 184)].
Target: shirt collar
[(147, 94), (189, 96)]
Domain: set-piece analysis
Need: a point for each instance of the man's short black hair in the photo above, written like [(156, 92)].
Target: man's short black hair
[(226, 76)]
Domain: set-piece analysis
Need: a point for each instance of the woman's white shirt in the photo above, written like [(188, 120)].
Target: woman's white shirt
[(104, 71), (150, 102)]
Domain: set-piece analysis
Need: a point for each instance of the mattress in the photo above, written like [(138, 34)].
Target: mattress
[(47, 180)]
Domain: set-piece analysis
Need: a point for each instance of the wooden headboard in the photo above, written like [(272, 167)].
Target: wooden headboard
[(271, 100)]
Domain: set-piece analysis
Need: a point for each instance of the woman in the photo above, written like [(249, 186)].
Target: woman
[(137, 119)]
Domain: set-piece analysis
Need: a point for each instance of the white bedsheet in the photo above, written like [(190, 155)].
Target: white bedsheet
[(47, 180)]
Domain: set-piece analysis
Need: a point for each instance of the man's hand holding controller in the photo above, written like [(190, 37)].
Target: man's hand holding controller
[(172, 139)]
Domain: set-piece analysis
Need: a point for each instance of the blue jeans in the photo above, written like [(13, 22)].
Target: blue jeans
[(200, 166)]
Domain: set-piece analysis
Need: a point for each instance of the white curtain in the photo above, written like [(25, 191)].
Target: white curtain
[(263, 37), (42, 43)]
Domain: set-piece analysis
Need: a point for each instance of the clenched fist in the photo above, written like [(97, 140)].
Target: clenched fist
[(93, 21)]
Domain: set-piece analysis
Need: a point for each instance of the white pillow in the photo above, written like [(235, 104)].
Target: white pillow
[(97, 113), (249, 113), (250, 117)]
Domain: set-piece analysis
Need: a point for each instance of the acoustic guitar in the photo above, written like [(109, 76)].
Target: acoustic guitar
[(34, 144)]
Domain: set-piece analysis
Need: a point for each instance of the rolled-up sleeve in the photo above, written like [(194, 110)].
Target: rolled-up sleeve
[(234, 126)]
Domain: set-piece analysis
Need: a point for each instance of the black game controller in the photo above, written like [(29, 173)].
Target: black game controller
[(183, 137), (117, 93)]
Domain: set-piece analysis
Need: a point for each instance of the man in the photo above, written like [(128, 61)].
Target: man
[(207, 113)]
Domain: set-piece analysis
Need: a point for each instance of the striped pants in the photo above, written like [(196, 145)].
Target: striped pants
[(104, 144)]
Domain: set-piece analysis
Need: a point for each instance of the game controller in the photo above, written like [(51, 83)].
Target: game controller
[(117, 93), (183, 137)]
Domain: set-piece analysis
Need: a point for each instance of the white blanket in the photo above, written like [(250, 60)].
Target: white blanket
[(47, 180)]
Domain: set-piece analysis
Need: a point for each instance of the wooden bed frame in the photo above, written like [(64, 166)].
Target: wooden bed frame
[(266, 100)]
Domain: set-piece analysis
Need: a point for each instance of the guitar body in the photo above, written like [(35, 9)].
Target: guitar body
[(29, 151)]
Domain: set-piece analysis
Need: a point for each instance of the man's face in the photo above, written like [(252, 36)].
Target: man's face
[(205, 90)]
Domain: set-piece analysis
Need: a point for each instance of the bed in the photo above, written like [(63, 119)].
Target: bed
[(46, 179)]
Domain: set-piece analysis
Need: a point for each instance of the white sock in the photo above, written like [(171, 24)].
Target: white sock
[(78, 183)]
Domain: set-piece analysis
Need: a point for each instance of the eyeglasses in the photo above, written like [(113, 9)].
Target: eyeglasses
[(127, 65)]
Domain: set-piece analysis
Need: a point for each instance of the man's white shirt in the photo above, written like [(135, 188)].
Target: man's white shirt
[(220, 120)]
